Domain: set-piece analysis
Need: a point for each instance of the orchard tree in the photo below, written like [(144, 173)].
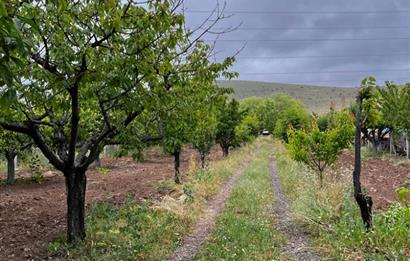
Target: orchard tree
[(191, 81), (11, 145), (203, 134), (294, 117), (374, 125), (274, 106), (319, 149), (253, 106), (204, 121), (248, 128), (267, 114), (174, 127), (87, 56), (229, 117), (395, 102), (84, 56)]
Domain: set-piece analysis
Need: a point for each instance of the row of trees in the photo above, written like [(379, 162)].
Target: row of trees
[(276, 113), (79, 75)]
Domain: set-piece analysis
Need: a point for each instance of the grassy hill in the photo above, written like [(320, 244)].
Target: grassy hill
[(316, 98)]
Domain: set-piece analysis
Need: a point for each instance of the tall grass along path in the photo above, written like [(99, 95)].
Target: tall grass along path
[(192, 242), (296, 246)]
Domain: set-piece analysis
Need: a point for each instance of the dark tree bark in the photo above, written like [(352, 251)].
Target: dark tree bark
[(391, 143), (375, 147), (321, 178), (225, 150), (364, 201), (177, 159), (11, 168), (375, 136), (203, 157), (76, 182)]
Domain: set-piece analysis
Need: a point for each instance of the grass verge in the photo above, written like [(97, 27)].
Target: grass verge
[(331, 216), (151, 230), (245, 229)]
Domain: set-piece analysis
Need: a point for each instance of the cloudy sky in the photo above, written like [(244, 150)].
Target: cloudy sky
[(321, 42)]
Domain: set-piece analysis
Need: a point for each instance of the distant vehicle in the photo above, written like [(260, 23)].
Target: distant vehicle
[(265, 132)]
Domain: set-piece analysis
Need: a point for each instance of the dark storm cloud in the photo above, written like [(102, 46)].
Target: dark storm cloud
[(387, 25)]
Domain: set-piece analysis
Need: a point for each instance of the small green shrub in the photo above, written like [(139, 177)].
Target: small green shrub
[(403, 193), (103, 171)]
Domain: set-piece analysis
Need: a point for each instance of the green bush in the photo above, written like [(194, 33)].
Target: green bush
[(293, 117)]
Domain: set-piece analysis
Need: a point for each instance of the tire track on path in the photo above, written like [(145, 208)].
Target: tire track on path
[(192, 242), (296, 246)]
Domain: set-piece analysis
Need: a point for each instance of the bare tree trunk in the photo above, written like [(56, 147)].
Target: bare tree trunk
[(177, 156), (364, 201), (321, 178), (16, 162), (98, 162), (203, 158), (11, 168), (76, 182), (407, 145), (375, 150), (225, 150), (391, 139)]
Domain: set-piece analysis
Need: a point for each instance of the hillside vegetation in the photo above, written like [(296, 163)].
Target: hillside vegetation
[(315, 98)]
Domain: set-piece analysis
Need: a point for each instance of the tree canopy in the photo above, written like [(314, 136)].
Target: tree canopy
[(318, 148), (94, 72)]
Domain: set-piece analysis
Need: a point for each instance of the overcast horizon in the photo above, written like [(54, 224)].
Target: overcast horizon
[(328, 43)]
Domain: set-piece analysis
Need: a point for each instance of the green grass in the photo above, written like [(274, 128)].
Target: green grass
[(133, 232), (315, 98), (245, 229), (331, 217), (150, 230)]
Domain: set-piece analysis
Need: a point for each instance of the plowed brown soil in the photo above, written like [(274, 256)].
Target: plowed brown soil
[(32, 215), (379, 177)]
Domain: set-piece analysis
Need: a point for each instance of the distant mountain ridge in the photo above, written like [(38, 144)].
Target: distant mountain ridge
[(316, 98)]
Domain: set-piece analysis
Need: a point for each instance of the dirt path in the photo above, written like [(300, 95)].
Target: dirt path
[(192, 242), (296, 247)]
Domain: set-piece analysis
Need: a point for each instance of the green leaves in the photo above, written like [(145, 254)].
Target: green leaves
[(7, 98), (3, 10), (229, 117), (131, 66), (319, 148), (366, 88), (12, 47), (394, 105)]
